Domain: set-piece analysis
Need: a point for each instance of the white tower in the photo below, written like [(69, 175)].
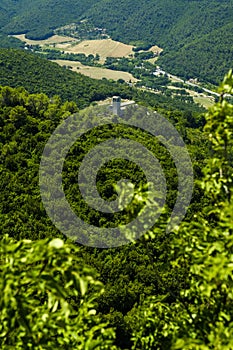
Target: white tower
[(116, 105)]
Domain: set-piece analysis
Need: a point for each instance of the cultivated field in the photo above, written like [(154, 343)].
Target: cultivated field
[(55, 39), (105, 48), (96, 72)]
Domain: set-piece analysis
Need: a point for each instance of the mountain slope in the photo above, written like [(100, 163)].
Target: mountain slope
[(208, 58), (20, 68), (39, 18), (184, 29)]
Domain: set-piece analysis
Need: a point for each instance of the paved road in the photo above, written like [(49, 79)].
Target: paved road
[(187, 82), (204, 89)]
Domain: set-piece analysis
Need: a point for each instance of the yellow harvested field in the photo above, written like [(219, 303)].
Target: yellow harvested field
[(105, 48), (156, 49), (96, 72), (171, 87), (55, 39), (152, 60)]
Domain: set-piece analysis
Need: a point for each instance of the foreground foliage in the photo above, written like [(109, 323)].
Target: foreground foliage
[(48, 298)]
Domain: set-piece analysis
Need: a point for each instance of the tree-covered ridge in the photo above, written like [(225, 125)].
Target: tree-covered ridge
[(194, 33), (208, 50), (10, 42), (19, 68), (182, 282), (26, 123)]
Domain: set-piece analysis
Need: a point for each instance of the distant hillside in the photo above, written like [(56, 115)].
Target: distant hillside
[(19, 68), (196, 35), (38, 18), (208, 58)]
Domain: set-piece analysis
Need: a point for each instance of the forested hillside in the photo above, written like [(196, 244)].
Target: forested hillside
[(39, 18), (20, 68), (164, 291), (195, 33)]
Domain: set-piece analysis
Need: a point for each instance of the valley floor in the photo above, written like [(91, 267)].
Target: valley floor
[(113, 49)]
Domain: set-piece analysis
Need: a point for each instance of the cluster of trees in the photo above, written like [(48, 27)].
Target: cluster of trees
[(136, 66), (165, 291), (51, 304), (83, 30), (53, 54)]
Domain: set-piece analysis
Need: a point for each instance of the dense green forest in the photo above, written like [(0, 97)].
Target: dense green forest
[(164, 291), (27, 121), (194, 33), (39, 19)]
